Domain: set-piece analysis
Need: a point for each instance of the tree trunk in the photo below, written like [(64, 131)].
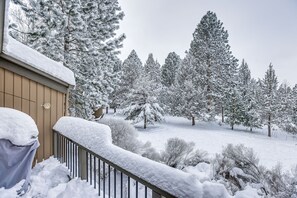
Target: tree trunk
[(251, 129), (144, 124), (232, 126), (269, 125), (193, 120), (106, 110), (114, 110), (223, 118), (208, 88)]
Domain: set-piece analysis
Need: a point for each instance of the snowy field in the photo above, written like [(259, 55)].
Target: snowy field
[(210, 137)]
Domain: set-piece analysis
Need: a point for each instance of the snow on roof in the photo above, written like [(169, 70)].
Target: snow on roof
[(17, 127), (25, 54), (97, 138)]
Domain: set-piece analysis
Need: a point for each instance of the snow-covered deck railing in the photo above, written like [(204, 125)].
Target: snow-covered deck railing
[(87, 149)]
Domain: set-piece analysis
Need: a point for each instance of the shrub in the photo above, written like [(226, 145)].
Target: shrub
[(237, 166), (281, 185), (123, 134), (176, 150), (196, 157)]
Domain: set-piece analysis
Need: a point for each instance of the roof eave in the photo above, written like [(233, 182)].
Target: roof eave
[(2, 20), (27, 66), (14, 60)]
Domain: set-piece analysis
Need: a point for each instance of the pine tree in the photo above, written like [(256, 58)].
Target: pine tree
[(81, 34), (186, 97), (285, 99), (252, 99), (234, 107), (132, 69), (169, 69), (269, 103), (244, 77), (142, 102), (293, 109), (213, 58), (152, 69), (249, 92)]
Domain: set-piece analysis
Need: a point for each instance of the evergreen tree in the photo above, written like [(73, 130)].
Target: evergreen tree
[(244, 78), (284, 99), (293, 107), (269, 104), (132, 69), (81, 34), (186, 97), (213, 58), (169, 69), (234, 107), (249, 92), (152, 69), (252, 99), (142, 102)]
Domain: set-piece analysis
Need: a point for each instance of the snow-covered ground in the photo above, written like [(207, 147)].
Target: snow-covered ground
[(51, 179), (211, 137)]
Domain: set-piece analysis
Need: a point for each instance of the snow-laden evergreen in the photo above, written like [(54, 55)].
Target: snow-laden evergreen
[(81, 34), (131, 70), (168, 70), (249, 93), (213, 58), (152, 69), (187, 97), (269, 104), (142, 102)]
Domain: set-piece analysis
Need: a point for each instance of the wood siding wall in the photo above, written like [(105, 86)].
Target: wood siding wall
[(28, 96)]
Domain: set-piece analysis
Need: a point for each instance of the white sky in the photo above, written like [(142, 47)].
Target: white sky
[(260, 31)]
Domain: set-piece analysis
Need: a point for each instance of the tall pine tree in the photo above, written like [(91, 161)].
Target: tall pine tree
[(269, 92), (213, 57), (81, 34), (169, 69)]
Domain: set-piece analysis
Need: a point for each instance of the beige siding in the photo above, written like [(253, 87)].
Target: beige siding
[(23, 94)]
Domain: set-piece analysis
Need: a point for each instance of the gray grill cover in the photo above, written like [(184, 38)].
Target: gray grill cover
[(16, 163)]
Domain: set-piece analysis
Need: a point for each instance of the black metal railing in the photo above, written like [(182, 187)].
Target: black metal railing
[(108, 178)]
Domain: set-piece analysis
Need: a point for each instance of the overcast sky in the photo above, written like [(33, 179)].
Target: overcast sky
[(260, 31)]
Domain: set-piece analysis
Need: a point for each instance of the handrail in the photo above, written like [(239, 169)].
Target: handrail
[(71, 152)]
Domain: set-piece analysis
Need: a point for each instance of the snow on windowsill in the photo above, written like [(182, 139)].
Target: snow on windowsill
[(97, 138), (25, 54), (17, 127)]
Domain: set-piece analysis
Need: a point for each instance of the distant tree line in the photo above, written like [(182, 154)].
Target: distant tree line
[(209, 82)]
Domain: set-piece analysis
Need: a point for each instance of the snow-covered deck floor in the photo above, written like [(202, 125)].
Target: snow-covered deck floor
[(51, 179)]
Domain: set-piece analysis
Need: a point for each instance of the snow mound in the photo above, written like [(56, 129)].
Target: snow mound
[(17, 127), (12, 192), (97, 138), (76, 188), (248, 192), (38, 61)]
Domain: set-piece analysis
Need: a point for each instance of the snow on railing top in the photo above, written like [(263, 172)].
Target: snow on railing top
[(97, 138), (25, 54), (17, 127)]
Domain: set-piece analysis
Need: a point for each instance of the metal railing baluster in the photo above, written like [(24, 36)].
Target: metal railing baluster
[(77, 158), (114, 183)]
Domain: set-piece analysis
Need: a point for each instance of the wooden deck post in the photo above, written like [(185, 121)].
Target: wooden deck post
[(55, 142), (82, 163)]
